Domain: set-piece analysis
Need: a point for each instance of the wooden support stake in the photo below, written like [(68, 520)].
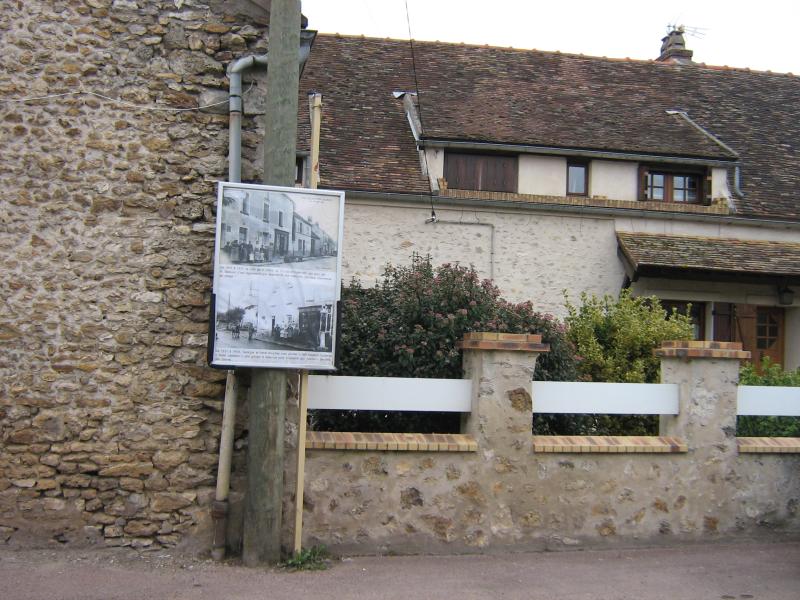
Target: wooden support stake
[(301, 462), (263, 504)]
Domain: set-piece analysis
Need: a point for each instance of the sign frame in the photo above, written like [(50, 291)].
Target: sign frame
[(277, 277)]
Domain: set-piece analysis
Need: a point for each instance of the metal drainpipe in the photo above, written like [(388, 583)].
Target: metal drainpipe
[(219, 508)]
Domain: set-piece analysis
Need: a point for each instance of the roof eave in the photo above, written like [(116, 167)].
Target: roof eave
[(582, 152)]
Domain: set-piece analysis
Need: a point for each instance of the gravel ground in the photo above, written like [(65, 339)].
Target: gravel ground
[(710, 571)]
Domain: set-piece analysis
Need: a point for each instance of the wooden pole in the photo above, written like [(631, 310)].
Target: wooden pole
[(301, 462), (267, 398)]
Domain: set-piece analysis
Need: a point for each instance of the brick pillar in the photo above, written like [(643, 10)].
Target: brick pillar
[(707, 374), (501, 366)]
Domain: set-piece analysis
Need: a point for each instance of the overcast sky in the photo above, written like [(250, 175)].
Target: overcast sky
[(759, 35)]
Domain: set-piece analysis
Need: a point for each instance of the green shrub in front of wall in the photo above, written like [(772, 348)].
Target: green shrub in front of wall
[(615, 339), (408, 326), (770, 374)]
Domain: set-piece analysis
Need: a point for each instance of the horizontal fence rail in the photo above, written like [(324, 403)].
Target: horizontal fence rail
[(605, 398), (389, 393), (768, 401)]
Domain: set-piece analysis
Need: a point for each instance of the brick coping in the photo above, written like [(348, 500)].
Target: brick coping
[(768, 445), (391, 442), (717, 207), (701, 349), (608, 444), (518, 342)]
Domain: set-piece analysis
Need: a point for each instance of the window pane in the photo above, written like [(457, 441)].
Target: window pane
[(679, 195), (576, 182), (658, 193), (658, 180)]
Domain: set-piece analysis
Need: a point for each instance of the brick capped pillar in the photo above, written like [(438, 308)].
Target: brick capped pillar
[(501, 366), (707, 374)]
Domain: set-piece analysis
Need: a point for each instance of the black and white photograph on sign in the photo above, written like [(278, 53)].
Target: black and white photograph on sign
[(277, 274), (278, 229)]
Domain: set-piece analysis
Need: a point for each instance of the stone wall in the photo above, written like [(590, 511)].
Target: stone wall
[(109, 417), (505, 496)]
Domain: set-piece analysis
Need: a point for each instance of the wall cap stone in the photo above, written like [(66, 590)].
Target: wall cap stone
[(519, 342), (701, 349), (768, 445), (395, 442), (609, 444)]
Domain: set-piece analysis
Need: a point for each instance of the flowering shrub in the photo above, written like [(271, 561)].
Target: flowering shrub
[(408, 326)]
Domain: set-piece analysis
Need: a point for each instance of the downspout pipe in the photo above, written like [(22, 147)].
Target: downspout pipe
[(219, 508)]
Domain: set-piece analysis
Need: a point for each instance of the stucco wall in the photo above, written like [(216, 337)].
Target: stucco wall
[(544, 175), (616, 180), (532, 256)]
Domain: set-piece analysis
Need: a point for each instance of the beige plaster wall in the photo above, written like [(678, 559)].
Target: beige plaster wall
[(616, 180), (531, 256), (543, 175)]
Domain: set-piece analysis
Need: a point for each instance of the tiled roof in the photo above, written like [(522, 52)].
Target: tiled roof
[(484, 94), (751, 257)]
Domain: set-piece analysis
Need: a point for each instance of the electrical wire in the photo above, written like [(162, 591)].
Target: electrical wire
[(433, 218), (122, 102)]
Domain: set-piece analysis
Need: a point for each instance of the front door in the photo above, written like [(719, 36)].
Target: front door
[(758, 328)]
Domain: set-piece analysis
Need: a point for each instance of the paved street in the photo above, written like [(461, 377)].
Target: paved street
[(698, 572)]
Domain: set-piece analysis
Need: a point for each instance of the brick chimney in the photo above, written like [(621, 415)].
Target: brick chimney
[(673, 48)]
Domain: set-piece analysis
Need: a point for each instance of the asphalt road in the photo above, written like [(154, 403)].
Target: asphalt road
[(711, 571)]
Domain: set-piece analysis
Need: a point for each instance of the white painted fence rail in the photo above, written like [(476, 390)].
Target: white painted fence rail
[(770, 401), (605, 398), (389, 393)]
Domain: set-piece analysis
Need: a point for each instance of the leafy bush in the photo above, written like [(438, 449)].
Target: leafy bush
[(615, 339), (771, 374), (408, 326)]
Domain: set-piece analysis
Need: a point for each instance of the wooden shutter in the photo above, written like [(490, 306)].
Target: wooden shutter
[(642, 182), (481, 172), (723, 322)]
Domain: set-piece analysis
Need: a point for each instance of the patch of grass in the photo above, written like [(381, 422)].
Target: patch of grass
[(315, 558)]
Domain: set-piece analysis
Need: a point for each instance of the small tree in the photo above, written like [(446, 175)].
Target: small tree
[(409, 324), (615, 339)]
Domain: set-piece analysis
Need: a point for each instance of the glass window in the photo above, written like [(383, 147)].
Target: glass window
[(577, 179), (671, 187), (246, 205), (265, 216)]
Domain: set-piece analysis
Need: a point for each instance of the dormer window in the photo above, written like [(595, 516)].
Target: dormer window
[(671, 186), (481, 172)]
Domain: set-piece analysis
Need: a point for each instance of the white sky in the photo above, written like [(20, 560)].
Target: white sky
[(759, 35)]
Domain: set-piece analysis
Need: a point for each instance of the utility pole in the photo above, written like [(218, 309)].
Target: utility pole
[(267, 399)]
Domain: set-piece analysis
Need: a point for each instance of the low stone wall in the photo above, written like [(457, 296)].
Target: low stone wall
[(504, 495)]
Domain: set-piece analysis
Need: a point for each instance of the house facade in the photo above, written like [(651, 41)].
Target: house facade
[(554, 173)]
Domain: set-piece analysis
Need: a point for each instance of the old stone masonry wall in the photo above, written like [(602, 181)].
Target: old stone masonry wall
[(109, 418)]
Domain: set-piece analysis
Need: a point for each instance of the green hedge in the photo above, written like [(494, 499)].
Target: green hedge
[(771, 374)]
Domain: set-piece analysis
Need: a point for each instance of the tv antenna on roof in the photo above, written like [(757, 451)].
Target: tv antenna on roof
[(695, 32)]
